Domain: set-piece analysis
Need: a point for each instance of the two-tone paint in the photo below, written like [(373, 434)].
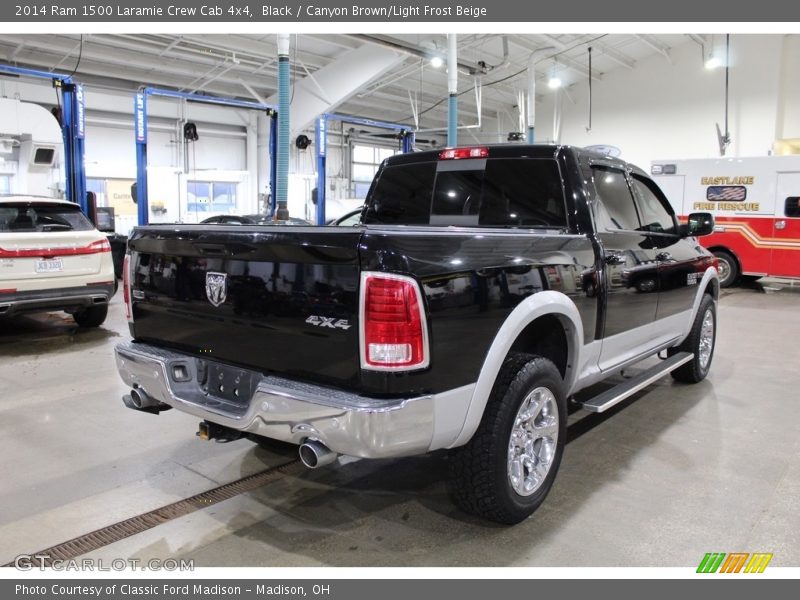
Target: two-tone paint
[(475, 282)]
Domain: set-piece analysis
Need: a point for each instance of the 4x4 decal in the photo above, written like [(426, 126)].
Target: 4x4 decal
[(330, 322)]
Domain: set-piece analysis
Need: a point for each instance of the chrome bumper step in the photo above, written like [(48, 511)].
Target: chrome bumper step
[(618, 393)]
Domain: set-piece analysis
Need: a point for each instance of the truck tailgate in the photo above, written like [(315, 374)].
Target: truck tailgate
[(277, 299)]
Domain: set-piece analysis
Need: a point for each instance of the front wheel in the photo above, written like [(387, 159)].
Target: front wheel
[(507, 469), (728, 268), (700, 342)]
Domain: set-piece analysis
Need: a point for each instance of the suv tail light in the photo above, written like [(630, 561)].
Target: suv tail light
[(456, 153), (394, 335), (94, 248), (126, 287)]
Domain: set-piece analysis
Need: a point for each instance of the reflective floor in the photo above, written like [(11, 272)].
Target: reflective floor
[(673, 473)]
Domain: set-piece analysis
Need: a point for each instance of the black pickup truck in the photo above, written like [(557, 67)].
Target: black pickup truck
[(484, 288)]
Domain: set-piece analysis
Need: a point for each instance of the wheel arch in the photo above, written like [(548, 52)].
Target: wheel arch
[(545, 312), (708, 285)]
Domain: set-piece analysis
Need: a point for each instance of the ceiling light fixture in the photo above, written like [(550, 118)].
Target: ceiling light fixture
[(713, 62), (555, 81), (437, 62)]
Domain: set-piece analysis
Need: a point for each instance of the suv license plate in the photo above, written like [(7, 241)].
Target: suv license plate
[(53, 265)]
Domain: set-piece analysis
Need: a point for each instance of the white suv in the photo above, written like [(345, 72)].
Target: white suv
[(53, 258)]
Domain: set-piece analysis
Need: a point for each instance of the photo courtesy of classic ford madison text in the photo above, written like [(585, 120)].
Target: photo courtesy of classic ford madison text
[(399, 299)]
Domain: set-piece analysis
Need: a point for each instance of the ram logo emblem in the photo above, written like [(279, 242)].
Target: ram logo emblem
[(216, 287)]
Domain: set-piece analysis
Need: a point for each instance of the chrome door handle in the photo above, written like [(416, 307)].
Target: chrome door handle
[(780, 224)]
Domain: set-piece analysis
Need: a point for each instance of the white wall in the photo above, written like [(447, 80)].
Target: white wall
[(668, 110)]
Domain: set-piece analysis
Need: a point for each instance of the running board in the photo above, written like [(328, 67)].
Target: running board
[(628, 388)]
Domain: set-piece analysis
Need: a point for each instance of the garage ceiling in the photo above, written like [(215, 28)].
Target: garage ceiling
[(245, 66)]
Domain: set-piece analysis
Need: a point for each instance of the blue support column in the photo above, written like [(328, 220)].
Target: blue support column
[(321, 129), (282, 171), (530, 135), (452, 122), (73, 130), (273, 166), (140, 129), (408, 142)]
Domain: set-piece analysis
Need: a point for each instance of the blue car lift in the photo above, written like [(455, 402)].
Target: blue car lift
[(140, 128), (73, 129), (406, 135)]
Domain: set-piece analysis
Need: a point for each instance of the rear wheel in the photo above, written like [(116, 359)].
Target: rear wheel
[(94, 316), (507, 469), (728, 268), (700, 342)]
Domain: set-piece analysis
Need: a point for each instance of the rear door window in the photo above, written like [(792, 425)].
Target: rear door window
[(28, 217)]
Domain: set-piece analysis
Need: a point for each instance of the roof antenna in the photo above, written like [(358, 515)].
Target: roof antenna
[(589, 128)]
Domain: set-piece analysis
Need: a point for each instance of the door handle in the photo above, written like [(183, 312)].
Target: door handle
[(615, 259), (780, 224), (664, 256)]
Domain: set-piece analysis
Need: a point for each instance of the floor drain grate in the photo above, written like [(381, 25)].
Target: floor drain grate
[(123, 529)]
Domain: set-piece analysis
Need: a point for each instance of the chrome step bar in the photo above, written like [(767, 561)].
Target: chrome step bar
[(618, 393)]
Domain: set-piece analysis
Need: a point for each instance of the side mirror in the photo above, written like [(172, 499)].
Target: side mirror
[(700, 223)]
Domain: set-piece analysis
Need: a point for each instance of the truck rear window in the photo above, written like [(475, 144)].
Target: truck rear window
[(28, 217), (494, 192)]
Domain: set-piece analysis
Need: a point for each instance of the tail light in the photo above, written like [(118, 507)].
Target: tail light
[(394, 335), (456, 153), (94, 248), (126, 287)]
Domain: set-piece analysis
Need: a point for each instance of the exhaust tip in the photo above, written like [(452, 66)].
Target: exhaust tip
[(314, 454), (138, 398)]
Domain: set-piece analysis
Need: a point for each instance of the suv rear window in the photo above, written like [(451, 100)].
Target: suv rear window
[(494, 192), (22, 217)]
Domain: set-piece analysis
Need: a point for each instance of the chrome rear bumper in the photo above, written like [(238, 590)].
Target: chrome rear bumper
[(286, 410)]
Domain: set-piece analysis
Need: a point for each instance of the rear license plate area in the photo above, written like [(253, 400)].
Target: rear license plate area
[(49, 265), (228, 383)]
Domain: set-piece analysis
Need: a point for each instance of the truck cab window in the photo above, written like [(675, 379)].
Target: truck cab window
[(655, 217), (614, 208), (523, 191), (401, 195)]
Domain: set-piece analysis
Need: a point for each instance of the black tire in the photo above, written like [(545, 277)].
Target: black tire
[(94, 316), (479, 480), (695, 370), (728, 268)]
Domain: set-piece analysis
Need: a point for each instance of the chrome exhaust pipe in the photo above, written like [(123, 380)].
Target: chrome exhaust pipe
[(139, 400), (314, 454)]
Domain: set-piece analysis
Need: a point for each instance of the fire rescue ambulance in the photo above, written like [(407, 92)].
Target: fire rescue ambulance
[(756, 208)]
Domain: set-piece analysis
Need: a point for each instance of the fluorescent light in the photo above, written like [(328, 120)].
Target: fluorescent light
[(713, 62), (554, 83), (437, 62)]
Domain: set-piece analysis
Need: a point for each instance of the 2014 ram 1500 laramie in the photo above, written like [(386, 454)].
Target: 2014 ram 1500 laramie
[(484, 288)]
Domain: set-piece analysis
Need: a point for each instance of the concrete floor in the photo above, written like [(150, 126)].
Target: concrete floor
[(674, 473)]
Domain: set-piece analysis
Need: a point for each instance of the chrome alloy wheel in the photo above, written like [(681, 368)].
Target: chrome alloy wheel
[(532, 445), (706, 345)]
